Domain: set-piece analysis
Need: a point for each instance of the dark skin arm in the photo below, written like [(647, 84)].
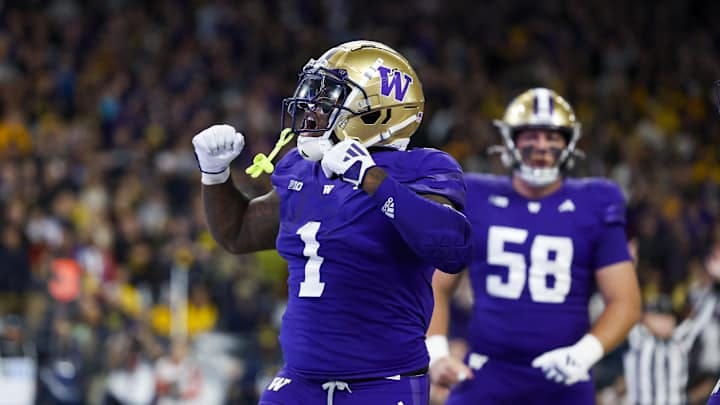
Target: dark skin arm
[(241, 225), (238, 224), (373, 178)]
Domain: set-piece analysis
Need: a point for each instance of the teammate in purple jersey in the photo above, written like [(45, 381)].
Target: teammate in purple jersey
[(543, 244), (361, 229)]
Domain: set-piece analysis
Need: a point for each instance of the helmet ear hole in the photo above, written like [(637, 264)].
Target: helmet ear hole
[(371, 117), (568, 135)]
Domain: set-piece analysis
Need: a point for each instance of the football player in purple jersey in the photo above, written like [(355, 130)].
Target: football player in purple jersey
[(362, 222), (543, 244)]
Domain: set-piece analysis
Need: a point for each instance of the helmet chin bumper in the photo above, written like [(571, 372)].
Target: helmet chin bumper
[(313, 148), (537, 177)]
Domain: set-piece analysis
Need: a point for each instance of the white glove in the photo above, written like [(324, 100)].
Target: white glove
[(215, 148), (348, 159), (571, 364)]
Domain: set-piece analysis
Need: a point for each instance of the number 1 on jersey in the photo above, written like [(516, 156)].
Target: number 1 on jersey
[(311, 287)]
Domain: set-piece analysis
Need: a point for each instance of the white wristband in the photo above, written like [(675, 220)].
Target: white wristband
[(437, 347), (590, 348), (210, 179)]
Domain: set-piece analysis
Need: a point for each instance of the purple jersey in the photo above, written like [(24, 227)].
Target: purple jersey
[(535, 261), (715, 396), (359, 299)]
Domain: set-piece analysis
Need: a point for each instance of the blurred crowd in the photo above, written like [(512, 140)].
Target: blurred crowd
[(108, 276)]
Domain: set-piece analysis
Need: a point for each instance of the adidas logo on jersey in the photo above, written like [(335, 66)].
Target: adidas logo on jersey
[(277, 383), (389, 208), (566, 206)]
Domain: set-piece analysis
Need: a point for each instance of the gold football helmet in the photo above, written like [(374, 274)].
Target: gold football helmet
[(367, 91), (538, 108)]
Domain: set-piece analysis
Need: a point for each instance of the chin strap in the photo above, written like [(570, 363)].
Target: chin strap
[(263, 164), (385, 135)]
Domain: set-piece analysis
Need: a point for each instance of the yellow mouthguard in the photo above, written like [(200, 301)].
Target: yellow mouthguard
[(263, 164)]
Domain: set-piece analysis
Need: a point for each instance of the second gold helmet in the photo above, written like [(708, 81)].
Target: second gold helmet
[(538, 108)]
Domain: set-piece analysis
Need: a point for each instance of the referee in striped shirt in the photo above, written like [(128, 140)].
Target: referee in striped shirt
[(656, 363)]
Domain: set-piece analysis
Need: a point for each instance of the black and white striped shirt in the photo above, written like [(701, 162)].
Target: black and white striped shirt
[(656, 369)]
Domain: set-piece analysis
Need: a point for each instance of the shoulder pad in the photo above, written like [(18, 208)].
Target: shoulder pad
[(609, 197), (429, 171)]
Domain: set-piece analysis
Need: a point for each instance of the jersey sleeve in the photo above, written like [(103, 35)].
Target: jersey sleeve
[(611, 246), (284, 167), (439, 174)]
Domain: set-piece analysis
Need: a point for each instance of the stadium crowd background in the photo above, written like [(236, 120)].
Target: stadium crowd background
[(100, 193)]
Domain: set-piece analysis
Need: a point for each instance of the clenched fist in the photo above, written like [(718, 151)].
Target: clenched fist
[(215, 147)]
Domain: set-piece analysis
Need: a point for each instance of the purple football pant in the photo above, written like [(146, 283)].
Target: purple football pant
[(287, 388), (502, 383)]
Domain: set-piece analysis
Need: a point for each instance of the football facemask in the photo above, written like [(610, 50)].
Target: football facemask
[(319, 91)]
